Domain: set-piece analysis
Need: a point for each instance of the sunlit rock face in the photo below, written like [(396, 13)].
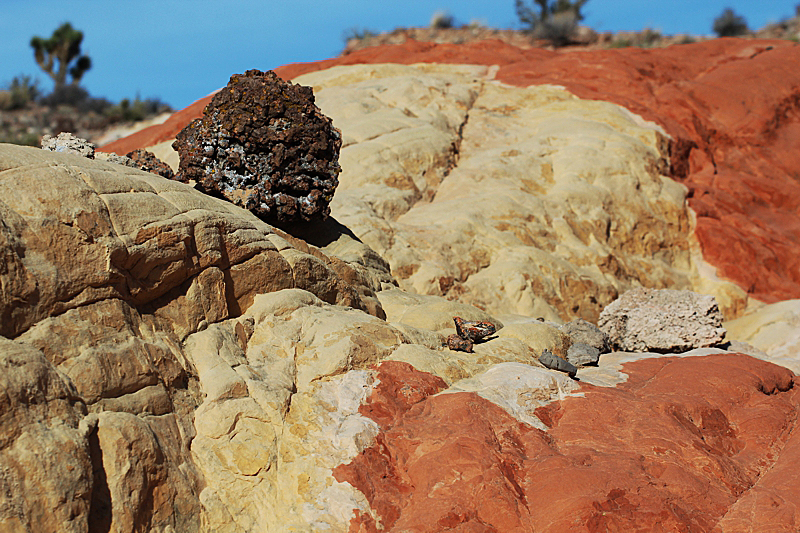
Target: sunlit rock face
[(174, 363)]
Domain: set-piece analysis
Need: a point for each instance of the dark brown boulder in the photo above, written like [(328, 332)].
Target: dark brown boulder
[(148, 162), (263, 145)]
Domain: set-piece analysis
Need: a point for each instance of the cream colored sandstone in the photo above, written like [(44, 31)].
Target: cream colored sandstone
[(774, 329), (533, 202)]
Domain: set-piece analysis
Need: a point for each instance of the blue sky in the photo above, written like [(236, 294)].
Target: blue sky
[(181, 50)]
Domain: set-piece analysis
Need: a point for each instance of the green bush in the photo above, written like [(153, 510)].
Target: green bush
[(24, 139), (621, 43), (556, 21), (357, 33), (19, 93), (729, 24), (442, 20), (559, 28), (127, 111), (650, 38), (66, 95)]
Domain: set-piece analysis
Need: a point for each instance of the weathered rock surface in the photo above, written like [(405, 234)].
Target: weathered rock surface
[(723, 128), (651, 457), (582, 354), (774, 330), (663, 321), (176, 376), (263, 145), (67, 143), (88, 231), (187, 367), (551, 361), (513, 200), (119, 291), (581, 331), (147, 161)]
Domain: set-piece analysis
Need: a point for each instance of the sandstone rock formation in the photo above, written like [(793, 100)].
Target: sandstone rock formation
[(184, 373), (171, 363), (460, 462), (663, 321), (774, 330), (492, 195), (263, 145), (109, 275), (722, 127)]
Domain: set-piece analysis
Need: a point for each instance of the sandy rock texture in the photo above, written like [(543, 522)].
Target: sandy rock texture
[(171, 363), (518, 200), (109, 274), (663, 321), (656, 459), (774, 330), (731, 140)]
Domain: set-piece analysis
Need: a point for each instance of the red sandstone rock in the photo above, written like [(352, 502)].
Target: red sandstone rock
[(686, 444), (732, 107)]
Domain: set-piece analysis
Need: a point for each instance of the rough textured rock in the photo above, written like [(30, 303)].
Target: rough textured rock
[(68, 143), (653, 456), (582, 354), (502, 197), (539, 336), (663, 321), (263, 145), (725, 132), (96, 231), (458, 343), (262, 408), (147, 161), (474, 330), (557, 363), (115, 158), (581, 331), (119, 291)]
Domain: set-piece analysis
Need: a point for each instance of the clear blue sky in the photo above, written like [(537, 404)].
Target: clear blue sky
[(181, 50)]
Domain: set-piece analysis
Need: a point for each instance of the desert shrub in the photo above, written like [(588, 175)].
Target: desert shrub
[(24, 139), (559, 29), (127, 111), (650, 38), (556, 21), (622, 42), (358, 34), (442, 20), (19, 93), (729, 24), (66, 95)]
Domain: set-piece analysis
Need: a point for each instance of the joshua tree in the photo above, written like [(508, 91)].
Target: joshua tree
[(65, 46)]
